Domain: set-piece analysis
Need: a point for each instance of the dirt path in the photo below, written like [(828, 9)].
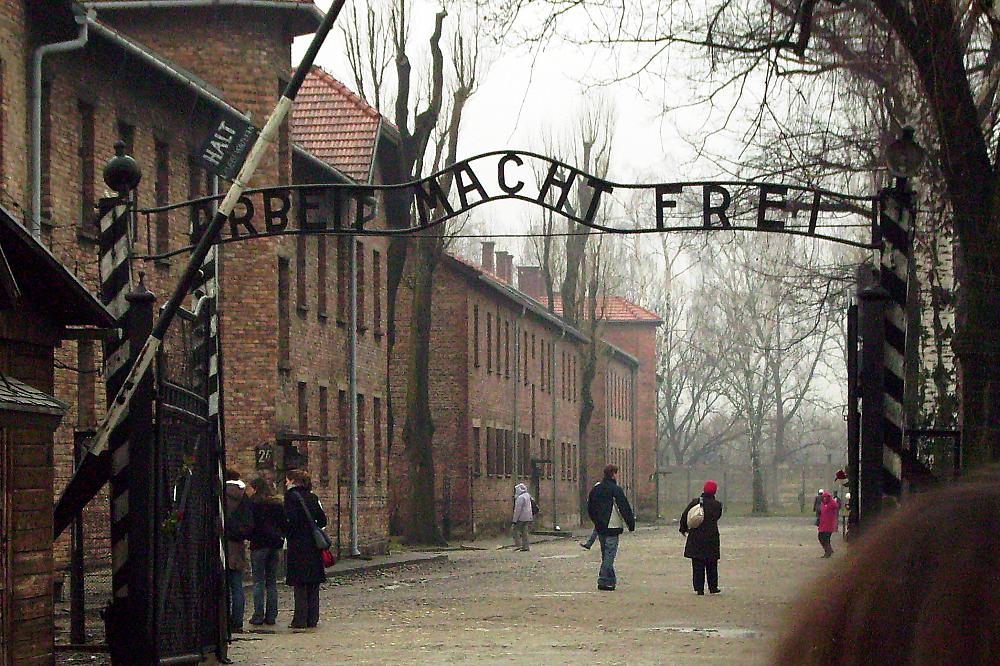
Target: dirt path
[(490, 606)]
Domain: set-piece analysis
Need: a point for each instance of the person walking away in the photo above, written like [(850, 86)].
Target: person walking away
[(703, 543), (817, 502), (523, 517), (239, 526), (305, 561), (610, 512), (828, 511), (266, 540)]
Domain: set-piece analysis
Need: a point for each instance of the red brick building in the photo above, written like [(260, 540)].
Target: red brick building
[(505, 399), (41, 305), (155, 75)]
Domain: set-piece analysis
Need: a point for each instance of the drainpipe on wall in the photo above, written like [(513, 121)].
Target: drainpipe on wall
[(352, 338), (517, 388), (635, 438), (36, 114)]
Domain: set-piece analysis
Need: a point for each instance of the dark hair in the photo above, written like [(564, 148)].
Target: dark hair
[(610, 470), (919, 589), (262, 488), (300, 477), (231, 474)]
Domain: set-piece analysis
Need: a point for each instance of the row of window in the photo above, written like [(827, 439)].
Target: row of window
[(200, 181), (322, 287), (620, 396), (622, 458), (366, 423), (501, 333), (498, 450)]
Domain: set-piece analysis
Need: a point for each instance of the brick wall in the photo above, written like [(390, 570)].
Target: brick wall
[(14, 105), (473, 393), (639, 340)]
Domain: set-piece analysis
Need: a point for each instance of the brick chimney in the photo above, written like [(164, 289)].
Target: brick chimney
[(529, 281), (488, 256), (505, 267)]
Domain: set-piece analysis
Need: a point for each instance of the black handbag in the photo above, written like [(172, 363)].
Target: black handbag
[(320, 538)]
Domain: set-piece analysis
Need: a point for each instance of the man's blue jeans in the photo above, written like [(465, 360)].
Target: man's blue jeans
[(265, 582), (237, 600), (609, 548)]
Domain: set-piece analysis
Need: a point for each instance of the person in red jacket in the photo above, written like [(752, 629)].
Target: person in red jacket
[(828, 509)]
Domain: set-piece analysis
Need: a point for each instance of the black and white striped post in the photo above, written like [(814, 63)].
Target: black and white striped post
[(116, 285), (896, 223)]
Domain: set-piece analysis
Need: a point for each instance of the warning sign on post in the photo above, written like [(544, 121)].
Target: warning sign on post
[(227, 145)]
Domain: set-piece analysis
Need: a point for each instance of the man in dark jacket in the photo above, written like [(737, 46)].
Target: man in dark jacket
[(702, 546), (611, 513)]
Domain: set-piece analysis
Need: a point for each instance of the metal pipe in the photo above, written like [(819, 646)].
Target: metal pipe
[(635, 438), (352, 346), (36, 115)]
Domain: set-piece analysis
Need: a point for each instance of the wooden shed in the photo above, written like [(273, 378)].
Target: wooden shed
[(41, 304)]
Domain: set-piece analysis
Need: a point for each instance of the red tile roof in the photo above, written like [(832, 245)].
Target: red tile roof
[(612, 308), (619, 310), (331, 122)]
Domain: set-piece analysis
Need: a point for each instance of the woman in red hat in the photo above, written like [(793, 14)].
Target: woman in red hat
[(702, 546)]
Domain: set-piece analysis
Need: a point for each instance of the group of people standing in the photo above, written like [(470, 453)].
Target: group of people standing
[(255, 516)]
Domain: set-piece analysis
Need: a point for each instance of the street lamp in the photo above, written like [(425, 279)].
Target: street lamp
[(904, 157)]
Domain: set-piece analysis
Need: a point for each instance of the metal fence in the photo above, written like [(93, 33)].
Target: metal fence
[(190, 593)]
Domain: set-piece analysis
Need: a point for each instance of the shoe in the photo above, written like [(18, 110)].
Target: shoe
[(606, 588), (257, 621), (296, 626), (714, 591), (270, 623), (584, 546), (700, 593), (237, 630)]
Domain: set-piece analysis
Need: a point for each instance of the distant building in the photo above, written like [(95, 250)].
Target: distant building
[(505, 387)]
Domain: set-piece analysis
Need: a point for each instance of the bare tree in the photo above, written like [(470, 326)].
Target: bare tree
[(428, 128), (951, 50)]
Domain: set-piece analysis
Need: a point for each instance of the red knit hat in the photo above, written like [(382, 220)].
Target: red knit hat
[(711, 487)]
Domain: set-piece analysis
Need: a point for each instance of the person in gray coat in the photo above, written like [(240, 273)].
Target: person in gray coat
[(523, 517)]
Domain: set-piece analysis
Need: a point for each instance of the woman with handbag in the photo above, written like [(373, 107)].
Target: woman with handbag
[(702, 546), (305, 517)]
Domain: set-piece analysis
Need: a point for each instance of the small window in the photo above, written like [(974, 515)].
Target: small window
[(362, 448), (85, 155), (475, 336), (324, 429), (377, 437), (490, 457), (476, 454), (377, 291), (300, 273), (343, 278), (161, 186), (489, 343), (321, 277), (360, 264), (284, 314), (344, 433)]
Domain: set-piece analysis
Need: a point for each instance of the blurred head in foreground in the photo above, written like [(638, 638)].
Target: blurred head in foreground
[(921, 588)]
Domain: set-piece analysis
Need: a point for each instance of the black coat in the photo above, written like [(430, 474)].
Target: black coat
[(599, 502), (304, 562), (269, 525), (703, 541)]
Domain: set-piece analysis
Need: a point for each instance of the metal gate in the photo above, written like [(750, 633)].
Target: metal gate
[(189, 591)]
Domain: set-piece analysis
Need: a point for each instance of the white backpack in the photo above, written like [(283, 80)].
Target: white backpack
[(695, 515)]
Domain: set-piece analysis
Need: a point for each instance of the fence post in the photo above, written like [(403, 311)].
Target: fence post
[(77, 582), (871, 328), (141, 480)]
